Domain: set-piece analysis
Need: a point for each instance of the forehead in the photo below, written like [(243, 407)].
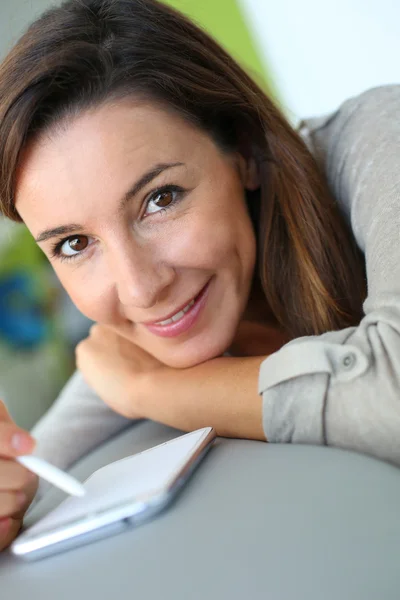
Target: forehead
[(105, 142), (125, 126)]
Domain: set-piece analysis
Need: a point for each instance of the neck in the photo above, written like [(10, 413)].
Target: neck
[(258, 333)]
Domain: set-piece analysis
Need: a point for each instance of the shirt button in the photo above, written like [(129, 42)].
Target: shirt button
[(349, 360)]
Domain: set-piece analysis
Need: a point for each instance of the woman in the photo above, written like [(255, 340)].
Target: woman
[(184, 215)]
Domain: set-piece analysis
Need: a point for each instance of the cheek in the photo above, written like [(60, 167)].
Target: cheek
[(92, 296), (220, 238), (213, 238)]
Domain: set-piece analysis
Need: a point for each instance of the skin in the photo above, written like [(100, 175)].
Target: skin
[(142, 266)]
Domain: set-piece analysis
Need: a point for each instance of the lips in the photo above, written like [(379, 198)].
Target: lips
[(178, 315), (189, 317), (184, 308)]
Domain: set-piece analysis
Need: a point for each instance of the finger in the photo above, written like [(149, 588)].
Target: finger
[(11, 503), (29, 492), (14, 441), (4, 414), (14, 476), (9, 529)]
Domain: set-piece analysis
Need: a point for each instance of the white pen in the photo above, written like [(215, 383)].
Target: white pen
[(52, 474)]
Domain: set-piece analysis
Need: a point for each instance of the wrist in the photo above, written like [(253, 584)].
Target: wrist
[(221, 393)]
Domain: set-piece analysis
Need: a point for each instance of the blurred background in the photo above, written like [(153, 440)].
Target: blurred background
[(309, 55)]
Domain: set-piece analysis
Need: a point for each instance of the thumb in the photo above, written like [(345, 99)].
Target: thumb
[(12, 530)]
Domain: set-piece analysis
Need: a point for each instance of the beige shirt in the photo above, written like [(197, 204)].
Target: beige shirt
[(340, 388)]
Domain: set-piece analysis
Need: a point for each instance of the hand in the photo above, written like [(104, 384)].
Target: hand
[(117, 370), (17, 485)]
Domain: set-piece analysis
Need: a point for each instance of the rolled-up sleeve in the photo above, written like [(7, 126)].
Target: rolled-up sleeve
[(342, 388), (77, 422)]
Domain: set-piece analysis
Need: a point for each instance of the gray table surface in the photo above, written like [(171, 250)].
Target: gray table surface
[(256, 521)]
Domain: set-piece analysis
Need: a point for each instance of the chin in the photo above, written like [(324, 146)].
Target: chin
[(185, 362), (186, 358)]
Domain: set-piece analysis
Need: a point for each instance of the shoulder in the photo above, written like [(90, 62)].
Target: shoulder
[(374, 102), (357, 149)]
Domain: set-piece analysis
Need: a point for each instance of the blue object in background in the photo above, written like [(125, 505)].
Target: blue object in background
[(23, 320)]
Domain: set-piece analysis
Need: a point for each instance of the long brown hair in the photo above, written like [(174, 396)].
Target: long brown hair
[(85, 52)]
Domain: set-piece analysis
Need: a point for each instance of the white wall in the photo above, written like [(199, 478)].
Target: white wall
[(321, 52)]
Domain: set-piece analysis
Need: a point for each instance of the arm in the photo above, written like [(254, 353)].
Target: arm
[(225, 398), (342, 388), (221, 393)]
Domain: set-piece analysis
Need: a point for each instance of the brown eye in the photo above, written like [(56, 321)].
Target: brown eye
[(163, 199), (78, 243), (74, 245)]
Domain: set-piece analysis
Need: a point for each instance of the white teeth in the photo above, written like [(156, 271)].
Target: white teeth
[(188, 306), (178, 315)]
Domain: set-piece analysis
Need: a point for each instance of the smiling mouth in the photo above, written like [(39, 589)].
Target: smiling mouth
[(177, 316), (183, 319)]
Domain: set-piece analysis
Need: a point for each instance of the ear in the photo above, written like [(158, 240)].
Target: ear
[(249, 172)]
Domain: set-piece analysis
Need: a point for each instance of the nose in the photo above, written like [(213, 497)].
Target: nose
[(140, 277)]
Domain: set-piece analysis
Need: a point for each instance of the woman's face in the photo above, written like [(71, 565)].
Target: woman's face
[(144, 220)]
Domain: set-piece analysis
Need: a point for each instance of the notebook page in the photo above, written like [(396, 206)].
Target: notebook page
[(121, 481)]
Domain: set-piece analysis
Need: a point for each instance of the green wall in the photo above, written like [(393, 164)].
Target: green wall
[(223, 19)]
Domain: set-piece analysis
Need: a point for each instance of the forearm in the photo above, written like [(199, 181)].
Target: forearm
[(221, 393), (77, 422)]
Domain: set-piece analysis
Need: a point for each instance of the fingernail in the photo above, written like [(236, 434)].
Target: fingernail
[(21, 442), (21, 499)]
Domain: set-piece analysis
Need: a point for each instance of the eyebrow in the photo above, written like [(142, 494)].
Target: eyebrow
[(141, 183)]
